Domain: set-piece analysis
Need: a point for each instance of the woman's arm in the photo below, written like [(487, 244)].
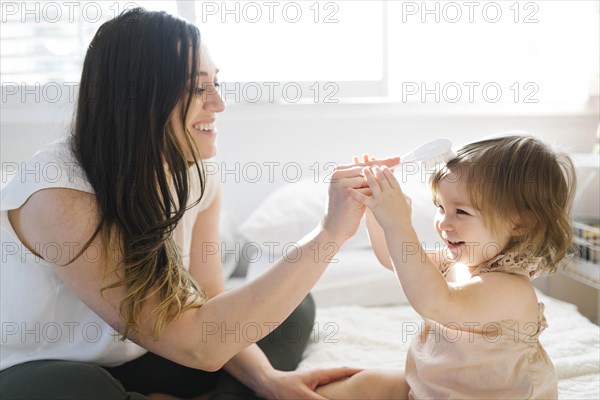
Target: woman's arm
[(205, 250), (197, 337), (250, 366)]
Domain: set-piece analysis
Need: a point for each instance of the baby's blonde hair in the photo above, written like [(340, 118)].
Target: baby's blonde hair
[(519, 181)]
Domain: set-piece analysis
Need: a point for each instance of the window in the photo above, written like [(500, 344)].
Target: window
[(324, 51), (290, 50), (530, 51), (46, 42), (315, 48)]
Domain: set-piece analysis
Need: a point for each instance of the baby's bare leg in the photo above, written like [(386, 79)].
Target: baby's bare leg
[(368, 384)]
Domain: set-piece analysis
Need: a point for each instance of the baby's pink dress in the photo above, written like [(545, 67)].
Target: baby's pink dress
[(505, 361)]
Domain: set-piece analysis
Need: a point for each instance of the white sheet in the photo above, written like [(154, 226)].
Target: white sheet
[(379, 337), (353, 277), (362, 315)]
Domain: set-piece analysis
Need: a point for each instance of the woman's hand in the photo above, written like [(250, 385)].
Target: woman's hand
[(389, 205), (343, 211), (301, 384)]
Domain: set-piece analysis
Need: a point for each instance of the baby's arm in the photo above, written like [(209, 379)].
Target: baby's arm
[(380, 246), (377, 239)]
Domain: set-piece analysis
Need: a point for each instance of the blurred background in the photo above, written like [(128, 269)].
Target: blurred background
[(309, 84)]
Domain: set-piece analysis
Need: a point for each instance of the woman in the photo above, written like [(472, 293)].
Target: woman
[(108, 291)]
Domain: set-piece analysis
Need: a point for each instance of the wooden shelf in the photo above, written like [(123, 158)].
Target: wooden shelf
[(578, 283), (584, 272)]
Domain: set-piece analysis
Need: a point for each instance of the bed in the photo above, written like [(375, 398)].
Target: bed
[(363, 317), (379, 336)]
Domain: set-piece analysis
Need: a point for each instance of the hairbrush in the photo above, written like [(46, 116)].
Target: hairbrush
[(435, 152)]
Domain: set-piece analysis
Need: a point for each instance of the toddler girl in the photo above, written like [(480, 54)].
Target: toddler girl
[(503, 209)]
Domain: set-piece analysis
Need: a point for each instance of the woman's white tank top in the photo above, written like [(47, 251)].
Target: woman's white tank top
[(42, 319)]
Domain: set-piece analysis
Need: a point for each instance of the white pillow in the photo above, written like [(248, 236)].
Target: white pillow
[(295, 209), (290, 213), (354, 277)]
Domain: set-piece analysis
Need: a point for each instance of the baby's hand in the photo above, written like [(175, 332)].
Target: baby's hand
[(366, 161), (390, 206)]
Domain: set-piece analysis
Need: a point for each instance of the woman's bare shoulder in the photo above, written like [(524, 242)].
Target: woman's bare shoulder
[(57, 215), (60, 201)]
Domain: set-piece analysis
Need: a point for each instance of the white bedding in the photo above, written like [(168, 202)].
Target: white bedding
[(363, 318), (369, 337)]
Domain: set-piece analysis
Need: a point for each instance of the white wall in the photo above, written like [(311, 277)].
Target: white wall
[(262, 134)]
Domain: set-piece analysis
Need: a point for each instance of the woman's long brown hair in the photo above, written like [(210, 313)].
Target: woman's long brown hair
[(136, 71)]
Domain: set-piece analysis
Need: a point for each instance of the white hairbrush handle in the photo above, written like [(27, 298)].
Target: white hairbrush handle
[(436, 151)]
